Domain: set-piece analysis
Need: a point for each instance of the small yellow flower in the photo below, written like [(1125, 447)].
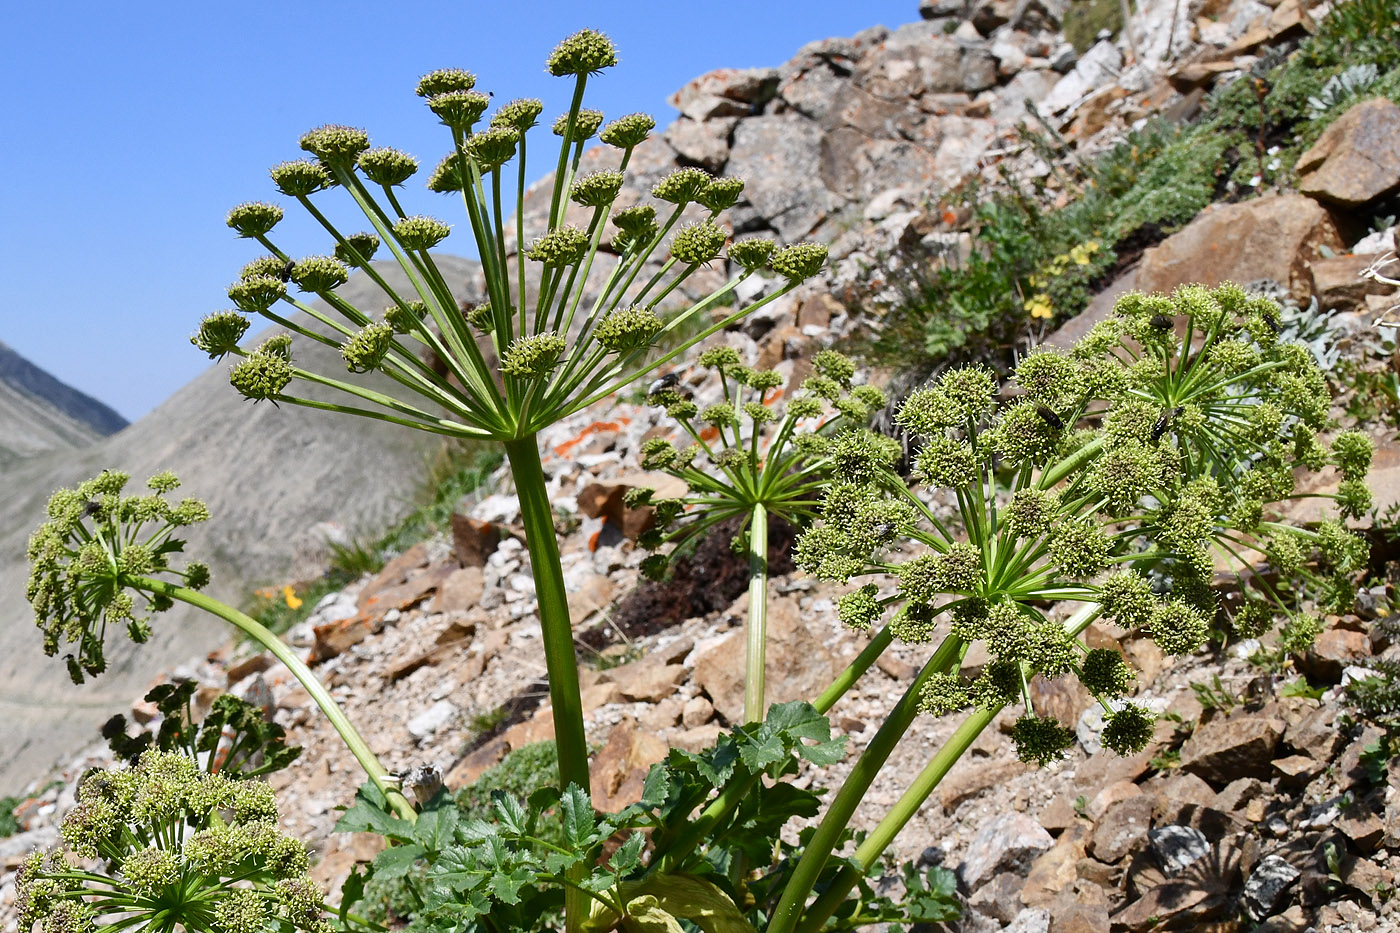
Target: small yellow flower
[(1040, 307), (290, 595)]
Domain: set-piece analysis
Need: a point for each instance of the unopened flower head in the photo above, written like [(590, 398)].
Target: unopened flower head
[(420, 233), (358, 249), (585, 126), (459, 109), (299, 178), (366, 349), (751, 253), (335, 145), (1041, 739), (682, 186), (447, 176), (445, 80), (944, 693), (596, 189), (1050, 379), (220, 332), (255, 218), (799, 261), (532, 357), (254, 294), (1104, 673), (493, 147), (637, 226), (721, 194), (519, 115), (698, 243), (564, 246), (387, 167), (261, 376), (1128, 730), (628, 132), (319, 274), (586, 52), (628, 329), (1177, 627), (860, 608)]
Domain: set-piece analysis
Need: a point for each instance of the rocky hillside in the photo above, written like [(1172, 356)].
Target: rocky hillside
[(40, 413), (1262, 803), (272, 476)]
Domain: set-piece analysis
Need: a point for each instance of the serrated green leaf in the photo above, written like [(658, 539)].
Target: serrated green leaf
[(370, 814), (505, 885), (457, 869), (628, 855), (474, 831), (556, 863), (397, 861), (758, 754), (687, 897), (656, 788), (579, 820), (509, 811), (436, 829), (716, 765), (824, 753), (352, 890)]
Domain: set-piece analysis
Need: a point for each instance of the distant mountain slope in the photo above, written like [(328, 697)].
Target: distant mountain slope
[(268, 474), (39, 412)]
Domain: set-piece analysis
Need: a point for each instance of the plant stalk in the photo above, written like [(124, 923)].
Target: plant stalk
[(561, 661), (755, 653), (280, 650)]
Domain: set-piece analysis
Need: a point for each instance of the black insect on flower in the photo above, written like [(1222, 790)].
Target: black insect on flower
[(1049, 417)]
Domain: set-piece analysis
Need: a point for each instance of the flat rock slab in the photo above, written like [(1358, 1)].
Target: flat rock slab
[(1225, 749), (1357, 159)]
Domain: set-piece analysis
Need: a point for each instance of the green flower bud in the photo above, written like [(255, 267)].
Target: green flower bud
[(299, 178), (459, 109), (263, 265), (1041, 739), (1006, 629), (319, 274), (564, 246), (257, 293), (241, 911), (1079, 547), (927, 413), (335, 145), (197, 574), (860, 456), (303, 900), (1032, 512), (444, 81), (860, 609), (254, 219), (834, 365), (1127, 600), (150, 871), (915, 624), (946, 462), (1128, 730), (70, 916), (261, 376), (721, 194), (1344, 552), (970, 390), (519, 115), (367, 348), (1101, 340), (682, 186), (387, 167), (1299, 633), (1050, 649), (628, 132), (804, 408), (447, 177), (637, 226), (628, 329), (751, 253), (586, 52), (658, 454), (358, 249), (1125, 473), (406, 317), (1353, 498), (870, 396), (494, 147), (596, 189), (421, 233), (220, 332), (254, 801), (1050, 379), (1351, 451), (820, 552), (586, 123), (654, 567), (762, 380), (1177, 627), (1024, 434), (1105, 673), (943, 693), (759, 414), (723, 359), (720, 414), (698, 243), (799, 261), (532, 357)]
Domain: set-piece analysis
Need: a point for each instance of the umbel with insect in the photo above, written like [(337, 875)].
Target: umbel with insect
[(1122, 480)]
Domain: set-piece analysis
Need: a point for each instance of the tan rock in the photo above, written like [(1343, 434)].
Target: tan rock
[(969, 778), (538, 728), (619, 770), (1122, 829), (1233, 747), (647, 679), (1337, 283), (1055, 869), (697, 738), (473, 541), (1357, 159), (470, 766), (1334, 650), (1295, 771), (696, 712), (705, 144), (460, 591), (1273, 237)]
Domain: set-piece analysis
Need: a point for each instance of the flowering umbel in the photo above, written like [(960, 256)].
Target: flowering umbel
[(180, 847)]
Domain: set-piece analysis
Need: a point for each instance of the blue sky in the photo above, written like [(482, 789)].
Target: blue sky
[(132, 128)]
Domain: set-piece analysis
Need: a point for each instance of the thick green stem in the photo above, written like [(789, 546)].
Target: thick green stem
[(561, 662), (853, 791), (279, 649), (755, 654)]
